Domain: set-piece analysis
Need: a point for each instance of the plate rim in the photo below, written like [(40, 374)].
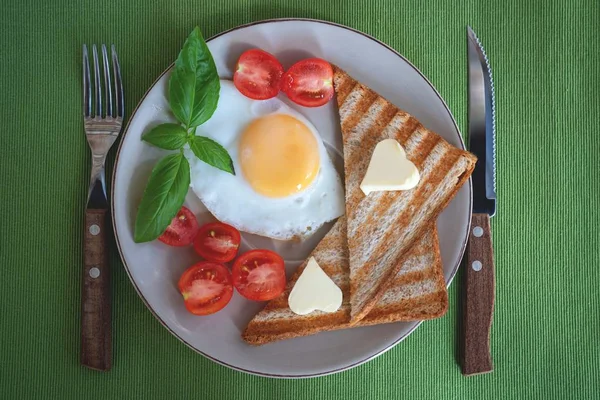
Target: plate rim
[(117, 241)]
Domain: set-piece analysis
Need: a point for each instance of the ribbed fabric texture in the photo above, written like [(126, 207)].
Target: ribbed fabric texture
[(546, 334)]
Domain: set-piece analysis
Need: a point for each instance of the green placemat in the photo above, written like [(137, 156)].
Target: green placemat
[(546, 334)]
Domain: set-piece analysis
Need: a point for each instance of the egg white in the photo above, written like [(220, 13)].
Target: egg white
[(232, 200)]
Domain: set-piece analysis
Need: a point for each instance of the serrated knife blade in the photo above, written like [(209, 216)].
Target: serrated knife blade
[(482, 126), (479, 281)]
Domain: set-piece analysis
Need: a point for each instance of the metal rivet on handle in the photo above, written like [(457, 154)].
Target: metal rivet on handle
[(94, 272), (477, 265), (478, 231), (94, 229)]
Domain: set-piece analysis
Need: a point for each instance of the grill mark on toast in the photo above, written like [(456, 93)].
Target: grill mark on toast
[(365, 99), (408, 291), (417, 262), (418, 150), (402, 135), (425, 274), (373, 120), (327, 241), (345, 108), (400, 127)]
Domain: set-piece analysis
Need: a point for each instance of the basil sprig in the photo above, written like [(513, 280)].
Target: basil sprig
[(193, 96)]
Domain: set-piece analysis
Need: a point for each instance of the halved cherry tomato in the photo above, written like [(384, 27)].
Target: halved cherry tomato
[(259, 275), (309, 82), (206, 287), (182, 229), (258, 74), (217, 242)]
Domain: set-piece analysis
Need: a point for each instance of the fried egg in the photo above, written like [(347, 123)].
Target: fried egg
[(285, 185)]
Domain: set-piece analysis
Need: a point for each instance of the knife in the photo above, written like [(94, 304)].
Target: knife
[(478, 304)]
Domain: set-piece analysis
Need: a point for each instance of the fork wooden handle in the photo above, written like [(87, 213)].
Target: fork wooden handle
[(96, 344), (479, 298)]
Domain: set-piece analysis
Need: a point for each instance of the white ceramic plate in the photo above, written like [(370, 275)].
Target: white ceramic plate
[(154, 268)]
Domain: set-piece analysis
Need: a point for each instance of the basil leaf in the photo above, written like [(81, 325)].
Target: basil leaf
[(194, 84), (163, 197), (212, 153), (166, 136)]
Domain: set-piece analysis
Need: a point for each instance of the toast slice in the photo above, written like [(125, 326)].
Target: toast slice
[(417, 292), (384, 226)]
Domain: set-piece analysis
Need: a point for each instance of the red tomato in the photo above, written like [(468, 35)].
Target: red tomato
[(206, 287), (259, 275), (217, 242), (309, 82), (258, 74), (182, 229)]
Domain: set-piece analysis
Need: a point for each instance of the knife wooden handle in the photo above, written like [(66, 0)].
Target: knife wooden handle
[(96, 345), (479, 298)]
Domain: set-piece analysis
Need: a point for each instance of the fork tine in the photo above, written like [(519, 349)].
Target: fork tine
[(119, 97), (87, 93), (97, 89), (107, 83)]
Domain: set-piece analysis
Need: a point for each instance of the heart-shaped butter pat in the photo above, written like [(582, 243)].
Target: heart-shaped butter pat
[(314, 290), (389, 169)]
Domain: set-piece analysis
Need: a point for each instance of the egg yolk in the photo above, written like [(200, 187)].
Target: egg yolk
[(279, 155)]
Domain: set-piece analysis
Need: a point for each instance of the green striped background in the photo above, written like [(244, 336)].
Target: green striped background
[(546, 334)]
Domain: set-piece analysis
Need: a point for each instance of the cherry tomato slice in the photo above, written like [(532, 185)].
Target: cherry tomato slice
[(258, 74), (259, 275), (309, 82), (217, 242), (182, 229), (206, 287)]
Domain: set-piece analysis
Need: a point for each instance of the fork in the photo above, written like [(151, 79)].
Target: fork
[(102, 126)]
